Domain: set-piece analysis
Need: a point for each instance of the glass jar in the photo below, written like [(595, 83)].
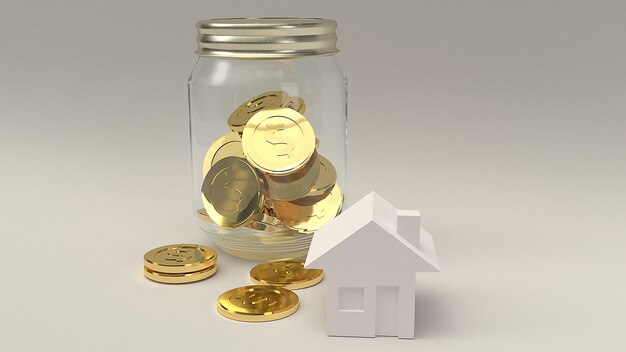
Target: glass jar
[(262, 93)]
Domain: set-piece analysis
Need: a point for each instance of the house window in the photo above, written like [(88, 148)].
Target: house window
[(351, 299)]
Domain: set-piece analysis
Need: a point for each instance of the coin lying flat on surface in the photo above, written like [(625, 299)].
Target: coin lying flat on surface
[(289, 274), (268, 100), (257, 303), (278, 141), (180, 258), (231, 192), (310, 218), (180, 278), (227, 145)]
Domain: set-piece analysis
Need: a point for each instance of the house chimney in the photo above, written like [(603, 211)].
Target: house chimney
[(409, 226)]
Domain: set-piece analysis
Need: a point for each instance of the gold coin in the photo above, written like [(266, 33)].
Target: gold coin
[(268, 207), (266, 222), (278, 141), (227, 145), (261, 226), (296, 103), (268, 100), (180, 258), (202, 215), (180, 278), (296, 185), (289, 274), (231, 192), (261, 222), (323, 184), (257, 303), (310, 218)]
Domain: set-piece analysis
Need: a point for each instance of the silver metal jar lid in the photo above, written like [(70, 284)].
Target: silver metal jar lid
[(266, 38)]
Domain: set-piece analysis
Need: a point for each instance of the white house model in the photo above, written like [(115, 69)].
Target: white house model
[(370, 254)]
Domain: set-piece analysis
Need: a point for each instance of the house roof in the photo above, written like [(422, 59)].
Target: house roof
[(371, 208)]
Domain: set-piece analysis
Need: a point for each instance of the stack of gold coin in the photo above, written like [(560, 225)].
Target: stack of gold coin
[(267, 173), (289, 273), (180, 263)]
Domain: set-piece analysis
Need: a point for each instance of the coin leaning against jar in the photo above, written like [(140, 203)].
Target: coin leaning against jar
[(227, 145), (232, 192), (310, 218)]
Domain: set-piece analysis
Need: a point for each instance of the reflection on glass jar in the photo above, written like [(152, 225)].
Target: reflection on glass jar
[(268, 124)]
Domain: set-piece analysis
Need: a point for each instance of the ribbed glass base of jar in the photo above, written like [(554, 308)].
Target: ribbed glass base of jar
[(257, 245)]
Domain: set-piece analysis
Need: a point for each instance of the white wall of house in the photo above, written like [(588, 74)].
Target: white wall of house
[(366, 306)]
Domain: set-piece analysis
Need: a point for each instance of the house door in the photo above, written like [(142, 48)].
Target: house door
[(387, 298)]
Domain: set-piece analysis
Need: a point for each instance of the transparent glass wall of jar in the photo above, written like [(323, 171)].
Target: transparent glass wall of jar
[(217, 86)]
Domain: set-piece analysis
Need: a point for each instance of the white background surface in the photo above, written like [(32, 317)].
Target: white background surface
[(503, 122)]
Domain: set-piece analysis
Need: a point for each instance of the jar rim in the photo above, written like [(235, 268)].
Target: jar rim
[(266, 37)]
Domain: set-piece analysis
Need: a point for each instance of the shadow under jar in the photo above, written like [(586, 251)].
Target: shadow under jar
[(268, 125)]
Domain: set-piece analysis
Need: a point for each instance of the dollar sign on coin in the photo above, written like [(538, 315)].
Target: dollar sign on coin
[(289, 274), (279, 137), (274, 99), (179, 258), (232, 192), (257, 303), (278, 141), (310, 218), (177, 255)]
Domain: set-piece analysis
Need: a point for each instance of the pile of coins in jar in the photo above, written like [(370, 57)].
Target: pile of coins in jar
[(269, 298), (267, 174)]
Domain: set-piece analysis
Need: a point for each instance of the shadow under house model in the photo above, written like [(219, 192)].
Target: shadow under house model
[(370, 254)]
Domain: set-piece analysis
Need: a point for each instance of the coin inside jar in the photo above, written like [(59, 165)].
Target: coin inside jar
[(227, 145), (267, 223), (323, 184), (310, 218), (296, 185), (202, 215), (278, 141), (289, 274), (231, 192), (257, 303), (268, 100), (296, 103)]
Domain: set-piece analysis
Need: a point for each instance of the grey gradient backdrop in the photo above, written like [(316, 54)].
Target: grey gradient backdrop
[(503, 121)]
